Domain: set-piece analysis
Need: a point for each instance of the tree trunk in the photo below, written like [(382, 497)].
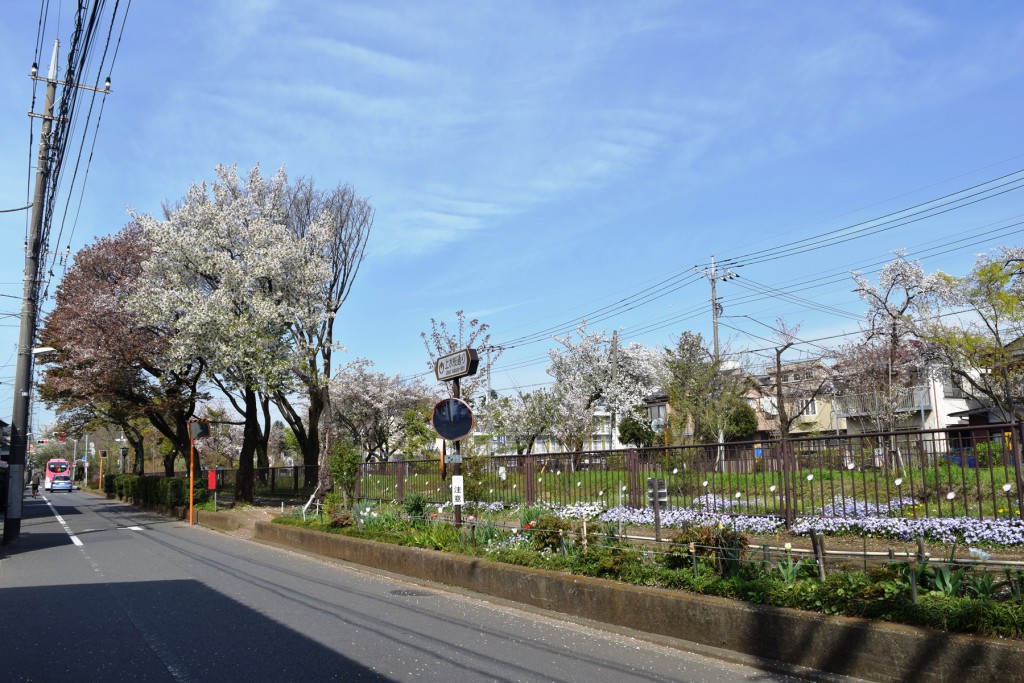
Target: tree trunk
[(181, 443), (139, 447), (319, 401), (262, 459), (245, 483), (307, 434)]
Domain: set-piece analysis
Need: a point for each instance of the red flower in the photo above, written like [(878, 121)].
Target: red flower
[(526, 526)]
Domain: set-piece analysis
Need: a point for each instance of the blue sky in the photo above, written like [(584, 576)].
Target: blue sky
[(534, 162)]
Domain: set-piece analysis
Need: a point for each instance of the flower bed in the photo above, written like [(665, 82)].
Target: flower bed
[(710, 555)]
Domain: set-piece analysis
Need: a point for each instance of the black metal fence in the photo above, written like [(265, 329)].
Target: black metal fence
[(969, 472), (293, 481)]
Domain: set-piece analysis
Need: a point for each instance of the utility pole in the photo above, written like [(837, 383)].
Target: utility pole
[(716, 309), (34, 249), (712, 274), (490, 425), (23, 372), (615, 377)]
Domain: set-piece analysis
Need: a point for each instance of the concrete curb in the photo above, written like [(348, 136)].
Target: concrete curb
[(217, 520), (860, 648)]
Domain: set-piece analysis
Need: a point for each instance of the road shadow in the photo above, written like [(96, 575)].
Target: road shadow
[(156, 631)]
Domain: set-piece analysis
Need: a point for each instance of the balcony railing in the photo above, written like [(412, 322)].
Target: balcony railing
[(908, 400)]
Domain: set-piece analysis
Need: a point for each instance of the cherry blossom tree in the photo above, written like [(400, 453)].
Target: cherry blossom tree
[(374, 409), (224, 444), (468, 334), (333, 226), (574, 416), (595, 371), (896, 303), (109, 366), (875, 381), (522, 418), (876, 375), (232, 281)]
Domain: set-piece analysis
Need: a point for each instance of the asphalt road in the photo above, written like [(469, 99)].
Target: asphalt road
[(96, 590)]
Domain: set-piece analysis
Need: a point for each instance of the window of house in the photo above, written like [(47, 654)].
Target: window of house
[(810, 408)]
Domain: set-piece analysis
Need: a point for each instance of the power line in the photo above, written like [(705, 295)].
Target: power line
[(949, 202)]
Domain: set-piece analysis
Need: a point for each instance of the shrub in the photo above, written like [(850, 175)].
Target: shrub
[(340, 520), (110, 484), (130, 485), (345, 468), (415, 505), (333, 503), (149, 490), (547, 532), (725, 544), (174, 491), (477, 478), (988, 454)]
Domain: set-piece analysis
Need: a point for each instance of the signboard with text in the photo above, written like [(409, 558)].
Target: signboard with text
[(458, 364), (458, 491)]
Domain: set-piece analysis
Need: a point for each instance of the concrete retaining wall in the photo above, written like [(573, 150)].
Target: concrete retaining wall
[(216, 520), (852, 647)]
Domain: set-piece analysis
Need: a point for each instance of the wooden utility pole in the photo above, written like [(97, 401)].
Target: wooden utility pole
[(34, 249), (29, 311)]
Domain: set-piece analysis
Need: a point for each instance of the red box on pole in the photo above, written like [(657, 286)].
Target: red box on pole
[(212, 481)]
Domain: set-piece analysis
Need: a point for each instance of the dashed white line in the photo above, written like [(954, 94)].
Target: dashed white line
[(71, 535)]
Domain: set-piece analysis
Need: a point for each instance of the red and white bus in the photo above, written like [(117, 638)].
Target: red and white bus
[(53, 468)]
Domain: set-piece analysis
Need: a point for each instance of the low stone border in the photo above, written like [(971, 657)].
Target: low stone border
[(860, 648), (217, 520)]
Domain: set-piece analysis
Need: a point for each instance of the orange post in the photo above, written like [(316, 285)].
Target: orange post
[(191, 477)]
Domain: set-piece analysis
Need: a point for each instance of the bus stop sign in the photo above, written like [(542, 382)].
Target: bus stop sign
[(452, 419)]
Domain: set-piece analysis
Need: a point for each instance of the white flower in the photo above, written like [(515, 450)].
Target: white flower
[(979, 554), (1007, 487), (772, 488), (738, 494), (675, 470), (789, 546), (810, 477), (950, 496), (899, 481), (705, 483)]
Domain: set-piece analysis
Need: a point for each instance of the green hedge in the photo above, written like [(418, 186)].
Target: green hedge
[(169, 491)]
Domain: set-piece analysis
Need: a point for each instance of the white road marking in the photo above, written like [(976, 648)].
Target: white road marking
[(71, 535)]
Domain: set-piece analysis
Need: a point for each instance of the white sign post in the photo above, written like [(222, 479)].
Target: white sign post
[(458, 492)]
